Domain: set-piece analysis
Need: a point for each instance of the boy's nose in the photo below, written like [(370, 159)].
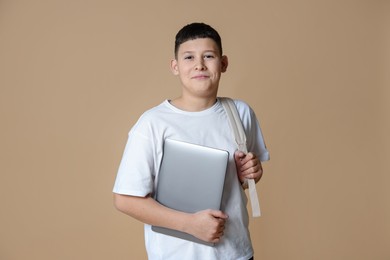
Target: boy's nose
[(200, 65)]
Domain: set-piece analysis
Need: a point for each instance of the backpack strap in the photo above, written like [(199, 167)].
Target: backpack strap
[(240, 139)]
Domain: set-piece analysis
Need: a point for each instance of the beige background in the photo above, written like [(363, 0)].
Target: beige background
[(76, 75)]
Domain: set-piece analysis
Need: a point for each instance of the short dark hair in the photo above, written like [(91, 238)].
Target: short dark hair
[(197, 31)]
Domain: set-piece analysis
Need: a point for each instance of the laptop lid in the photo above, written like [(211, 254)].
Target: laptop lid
[(191, 179)]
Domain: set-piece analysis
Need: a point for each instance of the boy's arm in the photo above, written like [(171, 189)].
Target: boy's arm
[(207, 225)]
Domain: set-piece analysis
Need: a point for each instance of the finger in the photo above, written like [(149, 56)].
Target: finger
[(221, 223), (216, 240), (252, 172), (248, 157), (256, 175), (250, 166), (251, 157), (218, 237)]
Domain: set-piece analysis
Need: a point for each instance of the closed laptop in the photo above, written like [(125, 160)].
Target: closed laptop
[(191, 179)]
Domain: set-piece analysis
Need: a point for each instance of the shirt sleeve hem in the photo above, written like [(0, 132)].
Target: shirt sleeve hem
[(136, 193), (264, 157)]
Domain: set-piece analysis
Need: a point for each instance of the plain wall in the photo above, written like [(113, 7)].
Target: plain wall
[(76, 75)]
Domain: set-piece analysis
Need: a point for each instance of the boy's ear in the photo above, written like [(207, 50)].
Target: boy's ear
[(224, 63), (174, 67)]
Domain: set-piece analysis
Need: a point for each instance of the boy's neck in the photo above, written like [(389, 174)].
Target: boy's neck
[(193, 104)]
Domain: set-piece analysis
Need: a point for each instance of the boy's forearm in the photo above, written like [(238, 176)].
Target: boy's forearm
[(149, 211)]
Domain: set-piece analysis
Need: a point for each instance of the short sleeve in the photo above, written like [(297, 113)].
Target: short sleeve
[(254, 135), (135, 175)]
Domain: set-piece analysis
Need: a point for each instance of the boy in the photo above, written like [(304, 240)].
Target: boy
[(196, 116)]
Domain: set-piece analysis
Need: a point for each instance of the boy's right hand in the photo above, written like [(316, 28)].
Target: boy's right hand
[(208, 225)]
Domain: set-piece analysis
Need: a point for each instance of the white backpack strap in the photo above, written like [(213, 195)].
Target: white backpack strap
[(240, 138)]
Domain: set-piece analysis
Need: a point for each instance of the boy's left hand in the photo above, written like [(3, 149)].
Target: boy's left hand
[(248, 166)]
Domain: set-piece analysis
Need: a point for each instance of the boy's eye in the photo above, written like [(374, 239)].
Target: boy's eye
[(209, 56), (188, 57)]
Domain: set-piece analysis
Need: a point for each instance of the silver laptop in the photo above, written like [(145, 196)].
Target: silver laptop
[(191, 179)]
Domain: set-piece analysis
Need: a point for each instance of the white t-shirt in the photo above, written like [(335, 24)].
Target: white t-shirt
[(141, 161)]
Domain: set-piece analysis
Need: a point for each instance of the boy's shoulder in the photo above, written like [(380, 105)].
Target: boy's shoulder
[(244, 109), (160, 108), (151, 114), (240, 104)]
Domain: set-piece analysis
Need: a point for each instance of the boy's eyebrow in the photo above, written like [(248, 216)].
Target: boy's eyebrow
[(190, 52)]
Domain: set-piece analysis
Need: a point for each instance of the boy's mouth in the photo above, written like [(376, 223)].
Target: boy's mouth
[(200, 76)]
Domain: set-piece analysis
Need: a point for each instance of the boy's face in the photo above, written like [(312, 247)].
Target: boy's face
[(199, 66)]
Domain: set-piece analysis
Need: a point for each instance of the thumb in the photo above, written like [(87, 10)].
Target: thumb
[(238, 155), (219, 214)]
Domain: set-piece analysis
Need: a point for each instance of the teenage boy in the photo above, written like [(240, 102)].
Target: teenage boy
[(196, 116)]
